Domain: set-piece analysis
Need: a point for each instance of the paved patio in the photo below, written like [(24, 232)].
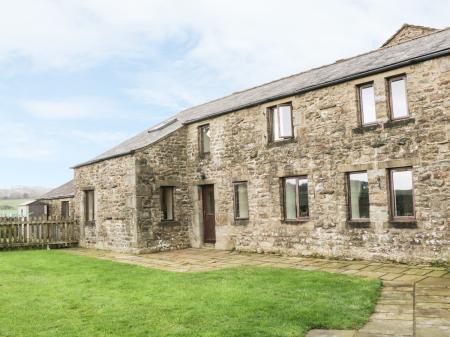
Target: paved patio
[(414, 301)]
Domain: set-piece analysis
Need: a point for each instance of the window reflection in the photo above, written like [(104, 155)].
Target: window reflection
[(402, 190), (367, 97), (399, 103), (359, 195)]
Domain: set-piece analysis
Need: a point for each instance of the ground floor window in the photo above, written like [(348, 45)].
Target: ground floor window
[(89, 206), (167, 202), (402, 193), (65, 209), (358, 189), (241, 200), (296, 205)]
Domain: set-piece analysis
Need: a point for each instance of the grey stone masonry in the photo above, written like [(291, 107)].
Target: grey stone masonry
[(328, 143)]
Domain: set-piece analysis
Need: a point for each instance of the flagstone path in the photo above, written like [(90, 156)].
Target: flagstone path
[(414, 301)]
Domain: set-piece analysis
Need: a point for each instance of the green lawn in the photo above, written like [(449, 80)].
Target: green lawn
[(53, 293)]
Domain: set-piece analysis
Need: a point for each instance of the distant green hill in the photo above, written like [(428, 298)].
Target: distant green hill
[(9, 207)]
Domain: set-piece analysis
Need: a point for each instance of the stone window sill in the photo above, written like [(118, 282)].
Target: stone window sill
[(402, 224), (295, 222), (358, 224), (204, 156), (366, 128), (169, 223), (90, 223), (399, 122), (241, 222), (281, 142)]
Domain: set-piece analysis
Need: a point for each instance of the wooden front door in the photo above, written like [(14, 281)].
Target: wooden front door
[(209, 221)]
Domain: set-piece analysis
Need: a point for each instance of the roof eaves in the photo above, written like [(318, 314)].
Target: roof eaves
[(131, 152), (58, 197), (93, 161)]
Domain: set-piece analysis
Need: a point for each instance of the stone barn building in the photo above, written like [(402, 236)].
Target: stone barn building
[(59, 201), (351, 159)]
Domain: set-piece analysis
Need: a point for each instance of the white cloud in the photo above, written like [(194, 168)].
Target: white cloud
[(246, 42), (30, 142), (71, 108), (103, 138), (24, 142)]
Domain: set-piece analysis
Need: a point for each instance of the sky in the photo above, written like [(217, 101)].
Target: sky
[(77, 77)]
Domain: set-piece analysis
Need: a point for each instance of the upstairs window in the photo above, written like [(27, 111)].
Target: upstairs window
[(241, 201), (167, 203), (204, 140), (89, 206), (65, 213), (367, 104), (296, 198), (358, 188), (402, 194), (398, 97), (280, 119)]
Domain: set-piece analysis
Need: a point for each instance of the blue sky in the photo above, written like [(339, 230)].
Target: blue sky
[(79, 76)]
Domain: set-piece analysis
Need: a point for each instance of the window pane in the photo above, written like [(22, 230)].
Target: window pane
[(276, 125), (402, 186), (205, 136), (285, 113), (368, 105), (303, 195), (241, 201), (359, 195), (290, 198), (167, 203), (399, 100)]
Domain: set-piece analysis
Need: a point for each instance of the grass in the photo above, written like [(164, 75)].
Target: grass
[(53, 293), (8, 207)]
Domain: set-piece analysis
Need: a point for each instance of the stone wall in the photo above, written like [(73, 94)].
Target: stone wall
[(114, 185), (55, 206), (408, 32), (328, 143), (163, 164)]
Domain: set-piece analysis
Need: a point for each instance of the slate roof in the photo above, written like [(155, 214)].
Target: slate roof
[(419, 49), (64, 191), (26, 203)]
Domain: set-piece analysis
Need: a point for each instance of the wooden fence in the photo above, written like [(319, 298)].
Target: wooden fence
[(37, 232)]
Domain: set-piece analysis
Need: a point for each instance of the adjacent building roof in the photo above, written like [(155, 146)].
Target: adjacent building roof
[(64, 191), (416, 50), (26, 203)]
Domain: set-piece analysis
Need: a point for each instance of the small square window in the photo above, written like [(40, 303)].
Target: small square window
[(398, 97), (367, 104), (402, 194), (358, 196), (204, 140), (241, 210), (280, 120), (167, 203), (296, 205)]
